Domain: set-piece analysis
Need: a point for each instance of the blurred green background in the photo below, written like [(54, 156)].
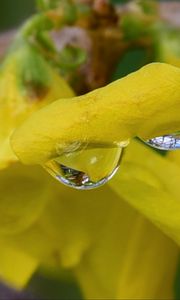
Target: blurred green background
[(13, 12)]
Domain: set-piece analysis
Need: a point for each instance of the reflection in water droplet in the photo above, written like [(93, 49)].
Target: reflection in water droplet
[(166, 142), (87, 168)]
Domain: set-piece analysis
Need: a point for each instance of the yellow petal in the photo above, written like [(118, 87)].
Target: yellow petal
[(24, 193), (145, 103), (16, 267), (110, 247), (174, 156), (150, 183), (131, 260)]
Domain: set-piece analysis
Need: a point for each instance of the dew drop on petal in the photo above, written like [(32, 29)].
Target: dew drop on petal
[(87, 168), (165, 142)]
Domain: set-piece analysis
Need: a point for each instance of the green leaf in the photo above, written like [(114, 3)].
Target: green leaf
[(44, 284), (132, 60)]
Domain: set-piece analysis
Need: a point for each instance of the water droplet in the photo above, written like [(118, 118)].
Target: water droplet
[(87, 168), (165, 142)]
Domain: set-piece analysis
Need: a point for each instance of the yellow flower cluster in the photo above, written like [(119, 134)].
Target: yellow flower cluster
[(112, 248)]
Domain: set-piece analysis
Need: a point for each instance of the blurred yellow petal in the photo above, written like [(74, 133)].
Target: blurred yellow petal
[(114, 251), (131, 260), (145, 103), (24, 193), (150, 183), (174, 156), (16, 267), (66, 228)]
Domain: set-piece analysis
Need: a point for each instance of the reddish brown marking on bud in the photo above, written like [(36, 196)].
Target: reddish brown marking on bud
[(36, 92), (102, 7)]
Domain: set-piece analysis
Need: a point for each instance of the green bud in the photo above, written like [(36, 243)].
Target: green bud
[(72, 57), (133, 27), (167, 46)]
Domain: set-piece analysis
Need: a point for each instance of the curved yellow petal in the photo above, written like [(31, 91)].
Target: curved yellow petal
[(145, 103), (17, 102)]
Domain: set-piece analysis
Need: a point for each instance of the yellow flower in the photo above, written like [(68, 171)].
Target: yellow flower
[(113, 248)]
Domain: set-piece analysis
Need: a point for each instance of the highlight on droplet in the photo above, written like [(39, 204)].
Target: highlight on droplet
[(87, 168), (166, 142)]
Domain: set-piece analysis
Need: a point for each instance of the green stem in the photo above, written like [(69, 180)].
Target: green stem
[(39, 22)]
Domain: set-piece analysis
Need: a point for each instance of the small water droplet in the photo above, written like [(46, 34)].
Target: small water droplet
[(87, 168), (165, 142)]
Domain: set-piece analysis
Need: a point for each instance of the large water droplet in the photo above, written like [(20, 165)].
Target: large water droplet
[(87, 168), (166, 142)]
